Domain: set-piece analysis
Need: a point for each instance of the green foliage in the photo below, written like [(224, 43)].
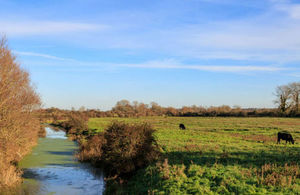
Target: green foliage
[(163, 178), (217, 156)]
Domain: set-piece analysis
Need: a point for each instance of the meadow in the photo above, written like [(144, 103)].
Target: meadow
[(217, 155)]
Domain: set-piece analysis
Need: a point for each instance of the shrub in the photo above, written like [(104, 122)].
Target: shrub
[(42, 131), (122, 148), (91, 150), (76, 124)]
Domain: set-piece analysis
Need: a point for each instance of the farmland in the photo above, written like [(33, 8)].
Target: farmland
[(217, 155)]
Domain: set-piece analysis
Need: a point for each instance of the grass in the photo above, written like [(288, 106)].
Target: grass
[(218, 155)]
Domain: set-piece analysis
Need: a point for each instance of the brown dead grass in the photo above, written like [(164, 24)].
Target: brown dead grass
[(255, 138), (274, 175)]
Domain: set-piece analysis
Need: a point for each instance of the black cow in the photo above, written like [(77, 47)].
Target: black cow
[(181, 126), (285, 136)]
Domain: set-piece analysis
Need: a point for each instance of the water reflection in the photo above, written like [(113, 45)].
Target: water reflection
[(50, 133), (53, 167)]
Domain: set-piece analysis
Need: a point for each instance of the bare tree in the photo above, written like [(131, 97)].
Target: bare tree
[(18, 125), (294, 95), (283, 93), (123, 108)]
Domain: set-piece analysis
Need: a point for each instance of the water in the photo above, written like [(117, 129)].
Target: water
[(52, 169)]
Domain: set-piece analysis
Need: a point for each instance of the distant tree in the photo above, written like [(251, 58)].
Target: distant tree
[(170, 111), (282, 93), (294, 89), (123, 103), (82, 109), (123, 109), (156, 109)]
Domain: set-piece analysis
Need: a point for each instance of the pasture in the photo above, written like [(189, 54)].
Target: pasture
[(218, 155)]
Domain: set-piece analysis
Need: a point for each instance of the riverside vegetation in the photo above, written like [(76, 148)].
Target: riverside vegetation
[(213, 155), (19, 126), (148, 153)]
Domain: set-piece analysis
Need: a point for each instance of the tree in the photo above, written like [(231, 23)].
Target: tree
[(81, 109), (288, 98), (294, 89), (124, 109), (283, 94), (18, 125), (156, 108)]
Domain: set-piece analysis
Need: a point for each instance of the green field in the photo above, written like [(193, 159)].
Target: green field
[(218, 155)]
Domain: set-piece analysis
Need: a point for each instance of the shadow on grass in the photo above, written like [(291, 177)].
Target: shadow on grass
[(274, 155)]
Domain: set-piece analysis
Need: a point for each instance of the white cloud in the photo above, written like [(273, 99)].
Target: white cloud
[(291, 9), (271, 36), (278, 57), (172, 64), (297, 74), (158, 64), (46, 27), (34, 54)]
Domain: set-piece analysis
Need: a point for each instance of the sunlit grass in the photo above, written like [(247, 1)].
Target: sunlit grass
[(221, 147)]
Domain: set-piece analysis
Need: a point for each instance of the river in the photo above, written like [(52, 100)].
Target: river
[(52, 169)]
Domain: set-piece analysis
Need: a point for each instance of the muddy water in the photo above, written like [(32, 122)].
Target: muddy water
[(52, 169)]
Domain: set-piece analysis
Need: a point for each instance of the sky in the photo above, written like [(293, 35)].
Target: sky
[(93, 53)]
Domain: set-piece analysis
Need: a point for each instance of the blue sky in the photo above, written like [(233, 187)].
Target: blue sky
[(93, 53)]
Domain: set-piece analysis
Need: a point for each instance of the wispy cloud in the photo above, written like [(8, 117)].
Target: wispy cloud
[(297, 74), (271, 35), (291, 9), (33, 27), (156, 64), (171, 64), (34, 54)]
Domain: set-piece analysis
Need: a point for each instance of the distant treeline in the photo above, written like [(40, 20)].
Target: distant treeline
[(124, 108)]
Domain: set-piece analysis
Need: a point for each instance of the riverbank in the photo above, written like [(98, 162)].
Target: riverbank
[(52, 168), (213, 155), (122, 149)]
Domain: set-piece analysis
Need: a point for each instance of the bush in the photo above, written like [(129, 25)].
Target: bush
[(91, 150), (76, 124), (122, 148)]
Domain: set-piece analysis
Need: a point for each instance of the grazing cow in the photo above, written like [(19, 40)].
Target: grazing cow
[(181, 126), (285, 136)]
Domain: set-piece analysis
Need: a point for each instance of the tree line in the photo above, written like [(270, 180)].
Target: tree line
[(124, 108), (287, 99)]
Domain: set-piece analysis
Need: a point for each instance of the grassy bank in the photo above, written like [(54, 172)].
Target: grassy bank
[(217, 155)]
